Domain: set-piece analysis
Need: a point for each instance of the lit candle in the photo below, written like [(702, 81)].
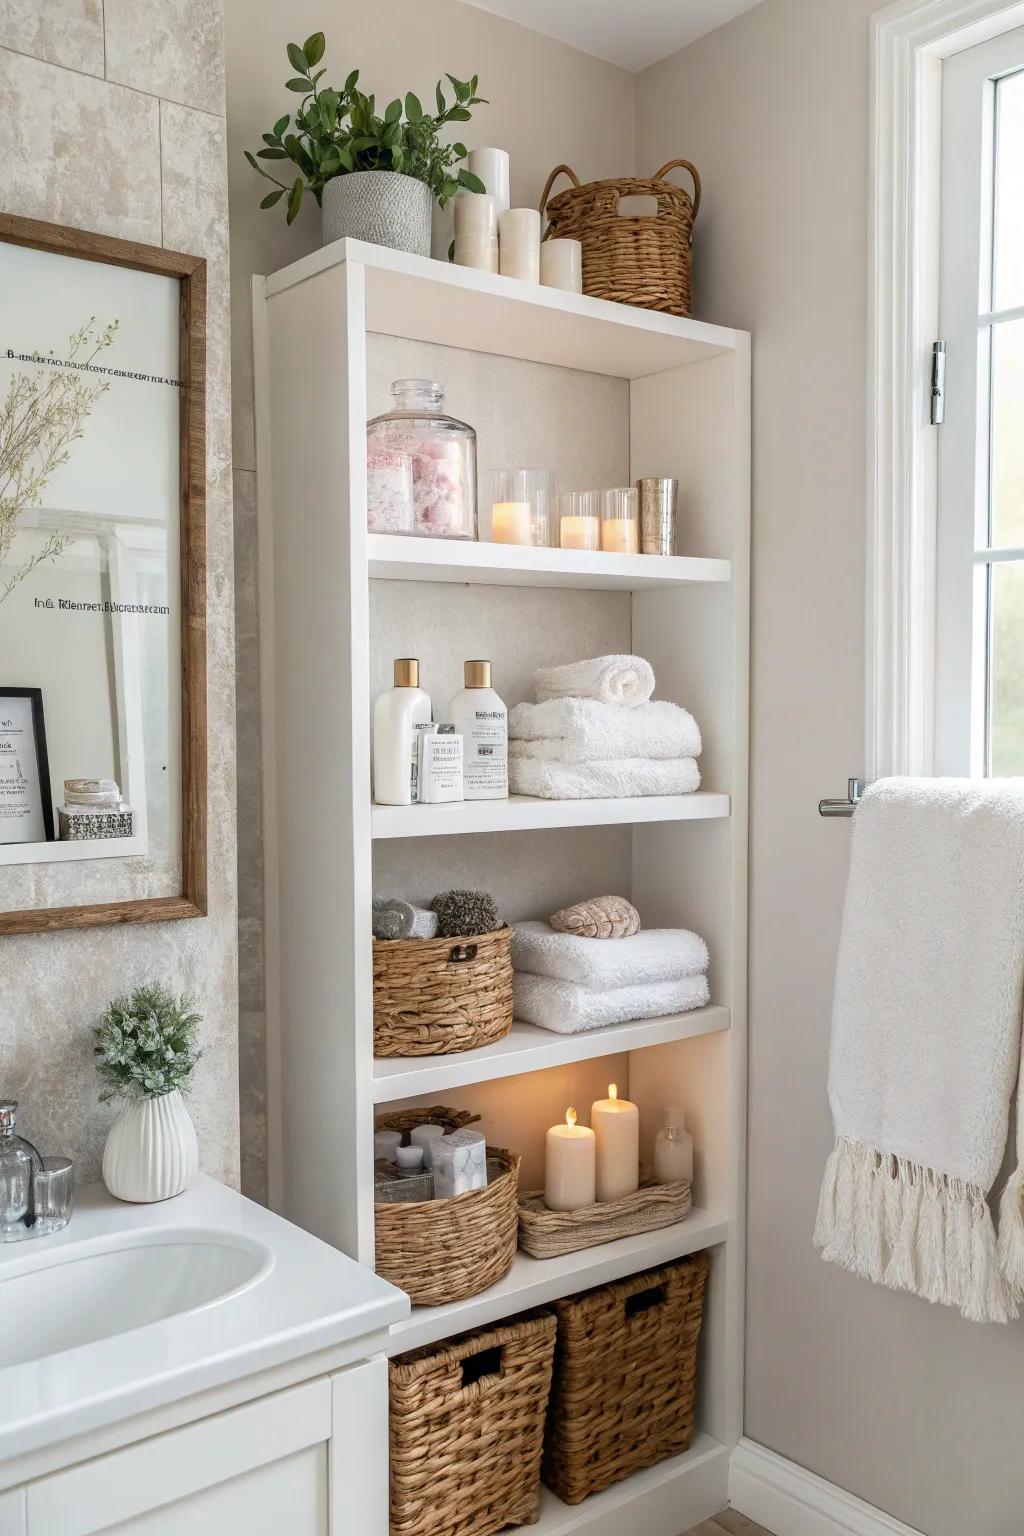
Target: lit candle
[(511, 522), (616, 1125), (619, 535), (569, 1166), (579, 533)]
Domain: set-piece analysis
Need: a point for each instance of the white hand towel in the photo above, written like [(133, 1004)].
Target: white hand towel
[(578, 730), (600, 780), (654, 954), (926, 1030), (567, 1008), (615, 679)]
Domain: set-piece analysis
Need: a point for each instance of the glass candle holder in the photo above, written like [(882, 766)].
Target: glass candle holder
[(521, 507), (55, 1194), (579, 519), (620, 521)]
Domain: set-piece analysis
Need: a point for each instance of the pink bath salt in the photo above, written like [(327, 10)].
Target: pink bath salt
[(389, 491)]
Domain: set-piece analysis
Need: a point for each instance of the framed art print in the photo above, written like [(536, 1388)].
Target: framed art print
[(26, 811)]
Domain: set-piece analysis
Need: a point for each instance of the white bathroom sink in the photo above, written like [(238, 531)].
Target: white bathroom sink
[(73, 1297)]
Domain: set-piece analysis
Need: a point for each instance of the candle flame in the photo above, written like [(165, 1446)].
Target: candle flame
[(570, 1116), (613, 1091)]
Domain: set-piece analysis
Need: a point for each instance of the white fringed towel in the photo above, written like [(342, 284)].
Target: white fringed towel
[(653, 954), (926, 1033), (618, 779), (579, 730), (615, 679), (568, 1008)]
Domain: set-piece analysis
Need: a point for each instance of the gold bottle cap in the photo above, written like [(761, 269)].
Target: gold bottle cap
[(407, 672), (478, 674)]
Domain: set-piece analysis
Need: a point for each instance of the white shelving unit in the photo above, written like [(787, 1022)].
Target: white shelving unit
[(337, 604)]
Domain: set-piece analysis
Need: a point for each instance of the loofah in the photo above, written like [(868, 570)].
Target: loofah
[(460, 913), (603, 917)]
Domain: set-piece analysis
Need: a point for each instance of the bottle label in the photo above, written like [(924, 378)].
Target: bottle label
[(486, 756)]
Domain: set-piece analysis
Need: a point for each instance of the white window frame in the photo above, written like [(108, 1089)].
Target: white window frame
[(909, 41)]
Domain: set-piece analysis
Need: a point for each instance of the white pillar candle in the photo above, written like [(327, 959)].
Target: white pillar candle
[(386, 1144), (423, 1136), (519, 242), (561, 265), (511, 522), (491, 165), (580, 533), (616, 1125), (476, 231), (569, 1166), (619, 535)]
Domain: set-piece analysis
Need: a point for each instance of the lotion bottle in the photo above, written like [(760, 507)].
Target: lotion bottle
[(481, 719), (396, 714)]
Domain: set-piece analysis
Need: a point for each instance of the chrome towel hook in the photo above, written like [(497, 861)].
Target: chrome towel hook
[(854, 789)]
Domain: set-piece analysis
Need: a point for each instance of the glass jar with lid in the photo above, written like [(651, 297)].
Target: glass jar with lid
[(442, 452)]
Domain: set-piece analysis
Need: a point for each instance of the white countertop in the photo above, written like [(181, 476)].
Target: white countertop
[(299, 1296)]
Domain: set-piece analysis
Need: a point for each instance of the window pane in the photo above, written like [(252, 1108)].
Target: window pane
[(1009, 192), (1008, 433), (1006, 724)]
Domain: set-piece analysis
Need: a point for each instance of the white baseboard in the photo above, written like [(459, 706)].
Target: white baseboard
[(790, 1501)]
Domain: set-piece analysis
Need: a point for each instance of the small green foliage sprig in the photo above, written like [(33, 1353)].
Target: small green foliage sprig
[(146, 1044), (336, 131)]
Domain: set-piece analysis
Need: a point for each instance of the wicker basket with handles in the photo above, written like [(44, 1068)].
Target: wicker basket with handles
[(445, 1250), (643, 260), (433, 997)]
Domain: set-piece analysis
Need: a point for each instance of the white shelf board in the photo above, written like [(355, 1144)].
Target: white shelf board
[(524, 812), (528, 1048), (659, 1501), (532, 1282), (397, 557), (434, 301)]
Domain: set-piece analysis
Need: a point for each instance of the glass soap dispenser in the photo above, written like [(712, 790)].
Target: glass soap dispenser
[(19, 1162), (443, 456), (673, 1150)]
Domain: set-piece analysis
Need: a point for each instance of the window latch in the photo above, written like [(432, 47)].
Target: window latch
[(938, 391)]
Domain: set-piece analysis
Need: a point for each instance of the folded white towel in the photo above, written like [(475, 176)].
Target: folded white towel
[(602, 780), (615, 679), (926, 1027), (654, 954), (567, 1008), (579, 730)]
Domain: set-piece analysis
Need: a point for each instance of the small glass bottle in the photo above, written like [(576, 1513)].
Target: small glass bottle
[(443, 456), (18, 1163), (673, 1150)]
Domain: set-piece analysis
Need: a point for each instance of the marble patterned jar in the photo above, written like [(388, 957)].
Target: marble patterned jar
[(442, 452)]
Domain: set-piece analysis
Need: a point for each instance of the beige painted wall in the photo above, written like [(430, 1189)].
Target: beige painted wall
[(902, 1403), (112, 119), (549, 103)]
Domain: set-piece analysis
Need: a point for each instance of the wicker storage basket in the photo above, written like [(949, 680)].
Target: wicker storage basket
[(435, 996), (625, 1378), (467, 1424), (545, 1234), (446, 1250), (643, 261)]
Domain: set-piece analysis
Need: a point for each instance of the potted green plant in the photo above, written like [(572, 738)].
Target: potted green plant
[(374, 176), (146, 1049)]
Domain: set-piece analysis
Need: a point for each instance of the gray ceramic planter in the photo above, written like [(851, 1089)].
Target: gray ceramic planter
[(382, 207)]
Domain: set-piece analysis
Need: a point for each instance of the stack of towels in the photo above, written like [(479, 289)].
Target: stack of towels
[(595, 731), (568, 983)]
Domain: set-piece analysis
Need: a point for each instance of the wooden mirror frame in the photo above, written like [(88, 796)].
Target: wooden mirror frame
[(191, 274)]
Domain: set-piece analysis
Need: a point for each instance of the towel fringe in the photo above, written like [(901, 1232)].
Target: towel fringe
[(888, 1219)]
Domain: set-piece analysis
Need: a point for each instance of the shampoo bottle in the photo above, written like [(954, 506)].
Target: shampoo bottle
[(396, 715), (481, 719)]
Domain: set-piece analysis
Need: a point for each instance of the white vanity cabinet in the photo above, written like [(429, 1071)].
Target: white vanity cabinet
[(308, 1461)]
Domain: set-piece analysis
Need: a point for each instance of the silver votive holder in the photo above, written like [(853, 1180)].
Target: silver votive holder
[(659, 500)]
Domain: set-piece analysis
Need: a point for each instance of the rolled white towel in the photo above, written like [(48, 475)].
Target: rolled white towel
[(615, 679), (602, 780), (566, 1007), (580, 730), (397, 919), (654, 954)]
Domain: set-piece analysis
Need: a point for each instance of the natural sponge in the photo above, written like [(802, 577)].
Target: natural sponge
[(460, 913), (603, 917)]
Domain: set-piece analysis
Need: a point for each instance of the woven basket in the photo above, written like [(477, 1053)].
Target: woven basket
[(545, 1234), (445, 1250), (467, 1424), (643, 261), (625, 1378), (432, 997)]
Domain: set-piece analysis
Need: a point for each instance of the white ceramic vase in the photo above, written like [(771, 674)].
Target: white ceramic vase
[(151, 1151), (383, 207)]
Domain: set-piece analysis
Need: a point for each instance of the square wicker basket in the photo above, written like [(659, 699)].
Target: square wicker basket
[(467, 1426), (625, 1378)]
